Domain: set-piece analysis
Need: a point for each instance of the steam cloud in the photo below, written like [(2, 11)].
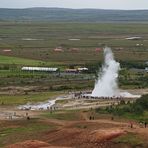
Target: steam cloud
[(107, 83)]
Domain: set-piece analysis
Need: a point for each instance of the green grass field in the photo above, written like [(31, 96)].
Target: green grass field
[(22, 61), (47, 36), (23, 99), (68, 115), (32, 44)]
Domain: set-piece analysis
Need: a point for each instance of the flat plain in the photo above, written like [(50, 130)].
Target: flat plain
[(81, 45)]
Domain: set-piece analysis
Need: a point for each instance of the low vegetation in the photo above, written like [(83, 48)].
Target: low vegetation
[(130, 139), (137, 110), (23, 99), (16, 131), (10, 61), (33, 44), (69, 115)]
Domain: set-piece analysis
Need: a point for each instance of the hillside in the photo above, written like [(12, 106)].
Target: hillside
[(73, 15)]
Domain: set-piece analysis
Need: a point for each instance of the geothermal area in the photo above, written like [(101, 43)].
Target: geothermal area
[(71, 119), (107, 82), (106, 88)]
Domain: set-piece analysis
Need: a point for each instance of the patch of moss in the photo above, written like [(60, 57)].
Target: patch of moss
[(129, 138)]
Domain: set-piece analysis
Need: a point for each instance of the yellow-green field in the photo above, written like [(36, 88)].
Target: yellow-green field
[(23, 99)]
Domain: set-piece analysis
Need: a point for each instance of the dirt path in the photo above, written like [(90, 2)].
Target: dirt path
[(92, 133), (85, 133)]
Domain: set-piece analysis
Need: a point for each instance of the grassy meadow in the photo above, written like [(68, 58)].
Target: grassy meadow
[(33, 44), (37, 40), (22, 61), (25, 98)]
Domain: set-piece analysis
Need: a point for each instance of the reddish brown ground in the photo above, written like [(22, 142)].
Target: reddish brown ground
[(82, 134)]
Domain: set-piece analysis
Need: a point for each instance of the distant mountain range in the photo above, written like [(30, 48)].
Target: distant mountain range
[(73, 15)]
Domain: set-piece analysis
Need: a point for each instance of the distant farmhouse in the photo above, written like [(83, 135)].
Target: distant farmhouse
[(77, 70), (58, 49), (82, 69), (134, 38)]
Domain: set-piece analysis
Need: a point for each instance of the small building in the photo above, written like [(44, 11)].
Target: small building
[(74, 49), (76, 70), (83, 69), (41, 69), (98, 49), (134, 38), (74, 39), (71, 70), (58, 49), (7, 50)]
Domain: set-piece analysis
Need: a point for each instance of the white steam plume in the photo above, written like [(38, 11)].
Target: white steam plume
[(107, 85)]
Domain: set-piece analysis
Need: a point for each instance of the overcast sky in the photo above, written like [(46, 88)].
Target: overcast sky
[(103, 4)]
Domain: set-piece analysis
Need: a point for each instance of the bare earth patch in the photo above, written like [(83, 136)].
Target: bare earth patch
[(33, 144)]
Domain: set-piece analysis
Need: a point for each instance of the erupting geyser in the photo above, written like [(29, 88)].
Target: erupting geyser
[(107, 83)]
